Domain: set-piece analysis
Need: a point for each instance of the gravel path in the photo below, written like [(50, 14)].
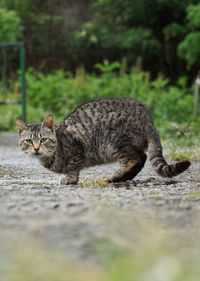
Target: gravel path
[(72, 219)]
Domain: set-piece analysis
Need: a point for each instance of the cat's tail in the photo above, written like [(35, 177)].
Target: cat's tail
[(158, 161), (164, 169)]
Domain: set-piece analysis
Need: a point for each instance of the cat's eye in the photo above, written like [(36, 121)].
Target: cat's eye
[(43, 140), (29, 141)]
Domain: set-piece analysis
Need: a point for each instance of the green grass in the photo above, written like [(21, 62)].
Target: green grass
[(184, 155), (194, 193), (193, 196), (180, 149), (154, 193), (101, 182)]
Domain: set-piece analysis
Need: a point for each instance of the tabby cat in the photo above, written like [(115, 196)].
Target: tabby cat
[(97, 132)]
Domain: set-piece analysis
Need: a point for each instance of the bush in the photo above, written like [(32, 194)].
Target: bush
[(188, 49), (59, 93), (10, 25)]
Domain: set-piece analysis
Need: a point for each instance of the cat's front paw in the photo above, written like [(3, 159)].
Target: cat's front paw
[(68, 180)]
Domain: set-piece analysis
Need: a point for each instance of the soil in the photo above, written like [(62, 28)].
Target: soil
[(72, 219)]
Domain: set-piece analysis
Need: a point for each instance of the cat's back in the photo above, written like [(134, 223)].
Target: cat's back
[(108, 108), (104, 121), (100, 126)]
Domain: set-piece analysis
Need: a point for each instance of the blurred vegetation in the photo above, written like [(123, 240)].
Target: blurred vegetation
[(188, 48), (10, 26), (60, 92), (64, 33)]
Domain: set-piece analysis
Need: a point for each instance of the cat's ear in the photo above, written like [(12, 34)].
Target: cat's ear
[(21, 126), (48, 122)]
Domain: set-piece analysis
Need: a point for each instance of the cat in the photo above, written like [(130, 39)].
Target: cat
[(97, 132)]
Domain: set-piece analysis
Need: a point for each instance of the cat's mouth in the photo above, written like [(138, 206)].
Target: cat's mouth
[(36, 154)]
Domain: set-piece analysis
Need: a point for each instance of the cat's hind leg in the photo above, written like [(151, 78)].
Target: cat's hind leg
[(130, 167)]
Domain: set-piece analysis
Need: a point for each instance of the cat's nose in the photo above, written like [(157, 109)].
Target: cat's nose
[(36, 149)]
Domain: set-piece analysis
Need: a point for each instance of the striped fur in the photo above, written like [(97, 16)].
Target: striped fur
[(97, 132)]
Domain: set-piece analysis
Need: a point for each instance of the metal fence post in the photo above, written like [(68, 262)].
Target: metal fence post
[(196, 94), (23, 79), (4, 69)]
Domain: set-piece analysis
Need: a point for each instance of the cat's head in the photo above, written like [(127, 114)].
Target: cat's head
[(37, 140)]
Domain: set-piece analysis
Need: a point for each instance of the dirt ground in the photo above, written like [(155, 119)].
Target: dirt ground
[(73, 219)]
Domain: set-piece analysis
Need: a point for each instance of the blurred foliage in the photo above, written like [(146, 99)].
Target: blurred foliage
[(60, 93), (68, 34), (10, 26), (47, 27), (189, 47), (146, 30)]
